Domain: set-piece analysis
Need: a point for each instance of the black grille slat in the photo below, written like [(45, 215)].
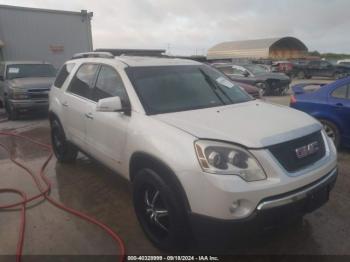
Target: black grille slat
[(37, 96), (286, 155)]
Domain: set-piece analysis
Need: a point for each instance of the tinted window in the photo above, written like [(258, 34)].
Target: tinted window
[(29, 70), (82, 80), (63, 74), (108, 84), (179, 88), (341, 92)]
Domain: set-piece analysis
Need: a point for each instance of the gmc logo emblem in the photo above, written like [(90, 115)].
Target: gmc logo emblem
[(307, 150)]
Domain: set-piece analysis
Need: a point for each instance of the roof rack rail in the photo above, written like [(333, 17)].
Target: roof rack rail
[(133, 52), (93, 54)]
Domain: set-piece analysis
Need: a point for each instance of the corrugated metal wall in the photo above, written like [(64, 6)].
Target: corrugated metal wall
[(49, 35)]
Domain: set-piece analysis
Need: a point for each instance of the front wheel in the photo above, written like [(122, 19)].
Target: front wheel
[(332, 131), (11, 111), (159, 211)]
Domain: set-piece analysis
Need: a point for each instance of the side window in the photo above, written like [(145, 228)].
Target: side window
[(82, 81), (314, 64), (324, 64), (63, 74), (341, 92), (109, 84)]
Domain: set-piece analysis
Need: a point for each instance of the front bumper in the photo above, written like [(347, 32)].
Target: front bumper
[(271, 211), (23, 105)]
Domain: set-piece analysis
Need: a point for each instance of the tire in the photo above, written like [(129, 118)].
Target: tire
[(160, 213), (11, 111), (332, 131), (338, 75), (64, 151), (263, 86), (301, 75)]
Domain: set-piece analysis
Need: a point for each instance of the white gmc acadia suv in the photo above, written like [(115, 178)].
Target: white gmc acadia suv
[(199, 151)]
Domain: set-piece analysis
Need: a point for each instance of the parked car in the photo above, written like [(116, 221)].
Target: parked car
[(320, 68), (201, 154), (283, 67), (329, 103), (268, 82), (24, 86), (345, 62)]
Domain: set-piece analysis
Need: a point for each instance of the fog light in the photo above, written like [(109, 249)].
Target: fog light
[(235, 205)]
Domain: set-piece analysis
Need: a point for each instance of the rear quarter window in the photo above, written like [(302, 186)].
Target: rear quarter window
[(63, 74)]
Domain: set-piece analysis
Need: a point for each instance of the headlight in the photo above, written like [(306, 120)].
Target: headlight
[(226, 159), (20, 96)]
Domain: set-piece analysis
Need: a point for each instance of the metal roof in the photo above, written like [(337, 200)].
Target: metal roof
[(82, 12), (259, 48)]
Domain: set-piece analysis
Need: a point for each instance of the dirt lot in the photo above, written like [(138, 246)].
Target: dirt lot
[(89, 187)]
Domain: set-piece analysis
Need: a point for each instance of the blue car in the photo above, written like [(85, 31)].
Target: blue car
[(330, 104)]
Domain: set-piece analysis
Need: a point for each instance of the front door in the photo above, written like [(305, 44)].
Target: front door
[(107, 131)]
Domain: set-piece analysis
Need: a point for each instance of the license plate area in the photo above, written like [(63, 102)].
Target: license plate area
[(317, 198)]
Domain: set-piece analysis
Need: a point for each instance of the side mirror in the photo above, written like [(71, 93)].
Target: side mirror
[(111, 104), (246, 74)]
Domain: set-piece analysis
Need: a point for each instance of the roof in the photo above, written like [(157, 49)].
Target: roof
[(135, 61), (82, 12), (25, 62), (154, 61), (259, 48), (133, 52)]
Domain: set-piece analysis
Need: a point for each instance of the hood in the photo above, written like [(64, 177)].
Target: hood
[(248, 88), (280, 76), (253, 124), (32, 82)]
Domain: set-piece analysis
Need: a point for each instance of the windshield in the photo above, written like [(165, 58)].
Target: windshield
[(165, 89), (29, 70), (256, 69)]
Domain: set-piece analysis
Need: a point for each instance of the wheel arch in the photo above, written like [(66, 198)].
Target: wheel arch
[(331, 119), (140, 160)]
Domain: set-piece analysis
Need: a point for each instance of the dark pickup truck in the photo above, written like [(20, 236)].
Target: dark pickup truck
[(320, 68)]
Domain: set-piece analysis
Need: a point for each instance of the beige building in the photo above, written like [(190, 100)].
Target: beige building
[(272, 48)]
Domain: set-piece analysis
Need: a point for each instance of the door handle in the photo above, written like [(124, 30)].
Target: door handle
[(89, 115), (65, 103)]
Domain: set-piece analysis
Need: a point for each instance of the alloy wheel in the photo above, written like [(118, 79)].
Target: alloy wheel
[(156, 214)]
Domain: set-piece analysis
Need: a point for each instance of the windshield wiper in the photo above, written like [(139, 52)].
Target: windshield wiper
[(215, 86)]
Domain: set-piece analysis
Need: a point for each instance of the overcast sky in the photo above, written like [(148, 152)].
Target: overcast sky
[(190, 25)]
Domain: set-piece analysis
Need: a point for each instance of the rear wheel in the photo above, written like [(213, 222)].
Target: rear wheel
[(301, 75), (332, 131), (63, 149), (159, 211), (339, 75)]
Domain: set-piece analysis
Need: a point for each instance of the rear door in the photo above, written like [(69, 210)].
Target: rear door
[(77, 103), (339, 100), (107, 131)]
